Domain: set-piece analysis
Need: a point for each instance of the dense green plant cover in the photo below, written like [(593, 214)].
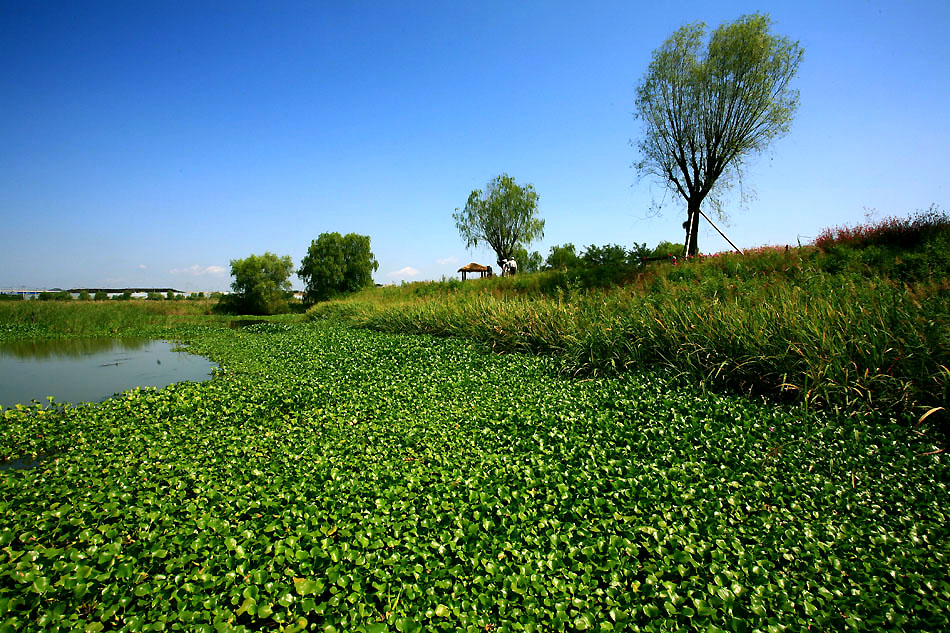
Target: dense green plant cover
[(342, 480), (863, 320), (34, 319), (771, 323), (910, 249), (60, 295)]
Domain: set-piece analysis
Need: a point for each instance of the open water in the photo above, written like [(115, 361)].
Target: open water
[(91, 370)]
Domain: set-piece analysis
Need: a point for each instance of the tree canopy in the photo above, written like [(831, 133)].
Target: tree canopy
[(707, 108), (337, 264), (504, 216), (261, 284)]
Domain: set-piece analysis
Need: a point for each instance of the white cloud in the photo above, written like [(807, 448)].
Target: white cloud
[(408, 271), (199, 271), (447, 260), (143, 266)]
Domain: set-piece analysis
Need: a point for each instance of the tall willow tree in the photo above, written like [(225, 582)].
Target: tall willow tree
[(707, 107), (504, 216)]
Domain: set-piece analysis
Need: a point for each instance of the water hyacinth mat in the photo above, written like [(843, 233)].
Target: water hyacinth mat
[(330, 479)]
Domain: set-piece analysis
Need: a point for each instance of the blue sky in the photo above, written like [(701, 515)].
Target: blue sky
[(150, 143)]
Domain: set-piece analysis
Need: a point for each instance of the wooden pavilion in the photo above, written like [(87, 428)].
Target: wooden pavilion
[(483, 271)]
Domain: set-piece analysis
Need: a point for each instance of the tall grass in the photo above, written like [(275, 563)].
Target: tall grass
[(773, 323), (43, 319)]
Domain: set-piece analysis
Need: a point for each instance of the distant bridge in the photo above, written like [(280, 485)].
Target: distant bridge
[(118, 291), (33, 293)]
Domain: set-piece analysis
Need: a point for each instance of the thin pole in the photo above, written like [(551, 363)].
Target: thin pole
[(721, 233)]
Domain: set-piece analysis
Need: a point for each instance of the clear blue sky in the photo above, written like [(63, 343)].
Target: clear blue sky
[(149, 143)]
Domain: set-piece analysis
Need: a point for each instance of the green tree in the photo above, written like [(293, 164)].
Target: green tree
[(337, 264), (504, 216), (611, 255), (637, 253), (62, 295), (261, 284), (707, 109), (563, 257), (528, 262), (101, 295), (665, 248), (84, 295)]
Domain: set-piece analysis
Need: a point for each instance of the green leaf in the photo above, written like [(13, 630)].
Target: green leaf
[(306, 586)]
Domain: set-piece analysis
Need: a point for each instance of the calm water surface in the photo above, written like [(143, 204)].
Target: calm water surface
[(91, 370)]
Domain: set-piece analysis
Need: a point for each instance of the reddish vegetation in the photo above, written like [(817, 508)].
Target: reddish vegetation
[(889, 231)]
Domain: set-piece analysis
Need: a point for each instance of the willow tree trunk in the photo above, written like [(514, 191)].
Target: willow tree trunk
[(690, 246)]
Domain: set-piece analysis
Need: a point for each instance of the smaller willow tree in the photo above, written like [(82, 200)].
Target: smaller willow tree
[(504, 216), (261, 284), (706, 108)]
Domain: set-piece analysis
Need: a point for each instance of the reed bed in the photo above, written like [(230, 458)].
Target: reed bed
[(839, 341), (54, 319)]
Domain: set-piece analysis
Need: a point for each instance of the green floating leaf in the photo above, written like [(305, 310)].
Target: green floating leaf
[(306, 586)]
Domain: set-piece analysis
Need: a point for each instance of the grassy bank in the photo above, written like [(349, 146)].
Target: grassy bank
[(332, 479), (57, 319), (843, 326)]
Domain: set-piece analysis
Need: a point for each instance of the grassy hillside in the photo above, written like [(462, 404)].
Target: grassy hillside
[(857, 321)]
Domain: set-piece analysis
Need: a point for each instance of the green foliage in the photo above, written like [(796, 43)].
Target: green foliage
[(707, 107), (504, 216), (154, 296), (528, 262), (60, 295), (101, 295), (42, 320), (261, 284), (337, 264), (772, 322), (911, 249), (125, 296), (338, 480), (563, 257), (6, 297), (664, 249)]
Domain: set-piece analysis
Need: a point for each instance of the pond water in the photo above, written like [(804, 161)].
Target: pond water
[(92, 370)]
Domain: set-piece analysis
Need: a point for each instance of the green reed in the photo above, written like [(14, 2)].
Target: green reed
[(844, 341), (44, 319)]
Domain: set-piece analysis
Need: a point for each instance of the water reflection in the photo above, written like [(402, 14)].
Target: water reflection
[(71, 348), (92, 370)]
